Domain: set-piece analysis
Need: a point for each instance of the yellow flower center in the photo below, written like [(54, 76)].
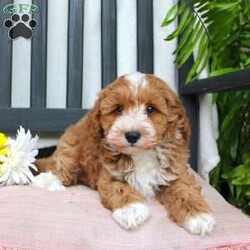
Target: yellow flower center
[(3, 141), (3, 149)]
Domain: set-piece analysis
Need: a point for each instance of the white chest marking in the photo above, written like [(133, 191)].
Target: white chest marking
[(148, 174)]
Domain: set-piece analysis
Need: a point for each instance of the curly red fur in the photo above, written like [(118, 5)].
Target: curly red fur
[(84, 153)]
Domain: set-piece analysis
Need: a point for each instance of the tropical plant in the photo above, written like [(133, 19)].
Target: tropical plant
[(220, 32), (232, 175), (219, 29)]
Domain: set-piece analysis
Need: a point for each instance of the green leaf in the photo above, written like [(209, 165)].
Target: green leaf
[(203, 7), (187, 36), (204, 61), (170, 16), (247, 193), (234, 147), (246, 158), (229, 118), (173, 13), (247, 63), (231, 188), (225, 7), (241, 181), (185, 19), (238, 193), (202, 43), (223, 71), (240, 171), (201, 59)]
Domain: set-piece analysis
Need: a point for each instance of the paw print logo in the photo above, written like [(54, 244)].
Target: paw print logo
[(20, 26)]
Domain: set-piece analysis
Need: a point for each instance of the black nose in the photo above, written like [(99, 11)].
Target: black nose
[(132, 136)]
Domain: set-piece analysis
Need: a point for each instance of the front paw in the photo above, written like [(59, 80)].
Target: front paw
[(47, 181), (201, 224), (131, 216)]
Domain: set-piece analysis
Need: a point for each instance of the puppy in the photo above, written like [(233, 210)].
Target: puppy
[(133, 146)]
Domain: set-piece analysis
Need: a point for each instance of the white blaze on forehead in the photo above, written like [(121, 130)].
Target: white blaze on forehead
[(136, 80)]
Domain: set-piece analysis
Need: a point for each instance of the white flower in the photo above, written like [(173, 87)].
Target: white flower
[(16, 164)]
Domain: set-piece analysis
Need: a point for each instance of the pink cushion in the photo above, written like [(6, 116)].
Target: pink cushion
[(32, 218)]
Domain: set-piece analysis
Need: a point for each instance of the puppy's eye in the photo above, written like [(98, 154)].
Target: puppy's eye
[(150, 110), (119, 110)]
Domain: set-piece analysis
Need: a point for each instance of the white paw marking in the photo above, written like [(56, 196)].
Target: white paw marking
[(48, 181), (201, 224), (131, 216)]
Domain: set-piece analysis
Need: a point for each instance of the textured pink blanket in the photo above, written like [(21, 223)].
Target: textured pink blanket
[(232, 247), (35, 219)]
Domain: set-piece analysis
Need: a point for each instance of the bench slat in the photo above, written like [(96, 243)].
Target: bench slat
[(39, 56), (5, 59), (38, 120), (145, 54), (75, 54), (109, 43)]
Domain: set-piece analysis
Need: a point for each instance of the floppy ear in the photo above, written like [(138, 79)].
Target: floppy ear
[(178, 123), (93, 124)]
